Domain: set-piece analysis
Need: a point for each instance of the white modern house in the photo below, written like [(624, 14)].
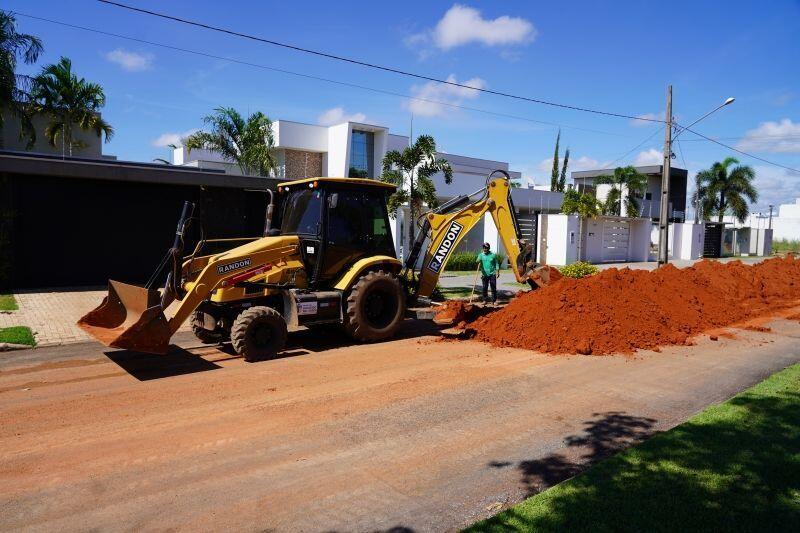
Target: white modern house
[(354, 148)]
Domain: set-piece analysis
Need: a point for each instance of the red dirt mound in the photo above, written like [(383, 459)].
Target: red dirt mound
[(624, 310)]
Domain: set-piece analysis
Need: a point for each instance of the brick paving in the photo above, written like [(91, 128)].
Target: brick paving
[(52, 313)]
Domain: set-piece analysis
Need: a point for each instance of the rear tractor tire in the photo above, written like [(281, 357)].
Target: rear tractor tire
[(375, 307), (258, 333)]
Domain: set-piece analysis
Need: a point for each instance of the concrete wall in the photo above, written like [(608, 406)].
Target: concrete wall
[(686, 240), (558, 239)]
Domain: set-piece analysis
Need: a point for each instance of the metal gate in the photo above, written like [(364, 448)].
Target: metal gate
[(712, 243), (528, 225), (616, 238)]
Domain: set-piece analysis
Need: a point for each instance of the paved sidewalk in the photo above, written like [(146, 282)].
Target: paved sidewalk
[(52, 313)]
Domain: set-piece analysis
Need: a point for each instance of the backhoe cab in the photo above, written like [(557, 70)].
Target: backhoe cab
[(332, 261)]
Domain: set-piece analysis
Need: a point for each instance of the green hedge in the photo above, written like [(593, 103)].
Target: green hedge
[(581, 269), (785, 245), (467, 261)]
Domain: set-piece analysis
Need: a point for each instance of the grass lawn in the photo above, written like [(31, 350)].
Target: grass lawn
[(17, 335), (8, 303), (457, 292), (733, 467)]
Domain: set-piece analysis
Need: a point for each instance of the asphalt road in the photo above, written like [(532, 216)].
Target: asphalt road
[(415, 433)]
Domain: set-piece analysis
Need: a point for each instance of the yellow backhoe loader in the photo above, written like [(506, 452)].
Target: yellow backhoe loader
[(332, 261)]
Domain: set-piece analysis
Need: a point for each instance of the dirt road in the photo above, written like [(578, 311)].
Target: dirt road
[(412, 433)]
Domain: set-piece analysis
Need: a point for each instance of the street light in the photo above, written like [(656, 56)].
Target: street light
[(728, 101), (663, 219)]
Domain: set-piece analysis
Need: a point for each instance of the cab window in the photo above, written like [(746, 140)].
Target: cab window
[(360, 221), (301, 213)]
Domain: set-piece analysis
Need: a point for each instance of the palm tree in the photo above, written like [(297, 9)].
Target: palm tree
[(723, 189), (411, 171), (14, 87), (68, 101), (247, 142), (634, 185)]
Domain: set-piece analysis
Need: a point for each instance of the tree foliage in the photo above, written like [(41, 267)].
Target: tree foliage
[(411, 170), (247, 142), (554, 172), (627, 186), (583, 204), (15, 46), (722, 189), (68, 101), (558, 179)]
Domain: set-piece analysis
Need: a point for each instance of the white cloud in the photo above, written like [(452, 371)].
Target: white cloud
[(433, 94), (648, 117), (462, 25), (775, 137), (165, 139), (337, 115), (649, 157), (574, 165), (775, 186), (130, 61)]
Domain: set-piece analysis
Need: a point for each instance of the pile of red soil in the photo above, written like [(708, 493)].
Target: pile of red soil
[(624, 310)]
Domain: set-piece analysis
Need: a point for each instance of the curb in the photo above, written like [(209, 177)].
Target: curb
[(8, 346)]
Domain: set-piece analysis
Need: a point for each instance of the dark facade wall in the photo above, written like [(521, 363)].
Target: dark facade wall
[(71, 232)]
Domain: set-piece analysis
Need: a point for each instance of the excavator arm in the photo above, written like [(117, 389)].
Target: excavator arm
[(447, 225)]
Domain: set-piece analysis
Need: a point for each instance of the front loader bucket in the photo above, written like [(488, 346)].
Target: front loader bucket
[(131, 318)]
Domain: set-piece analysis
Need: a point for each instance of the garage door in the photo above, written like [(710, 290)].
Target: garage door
[(616, 237)]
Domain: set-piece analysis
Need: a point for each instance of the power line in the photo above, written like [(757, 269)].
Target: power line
[(741, 151), (312, 77), (626, 154), (371, 65)]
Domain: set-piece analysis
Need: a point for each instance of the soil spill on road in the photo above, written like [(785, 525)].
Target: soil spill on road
[(625, 310)]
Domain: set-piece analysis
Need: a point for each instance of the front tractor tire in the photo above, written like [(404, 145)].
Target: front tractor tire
[(258, 333), (375, 307)]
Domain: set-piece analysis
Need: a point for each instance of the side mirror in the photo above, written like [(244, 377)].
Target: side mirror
[(333, 200)]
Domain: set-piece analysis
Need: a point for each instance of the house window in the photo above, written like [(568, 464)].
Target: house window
[(362, 154), (648, 196)]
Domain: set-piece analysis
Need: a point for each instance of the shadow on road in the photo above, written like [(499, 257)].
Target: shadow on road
[(145, 367), (604, 435)]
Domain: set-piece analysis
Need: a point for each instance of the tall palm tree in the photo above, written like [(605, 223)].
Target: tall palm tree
[(634, 185), (14, 87), (247, 142), (411, 171), (722, 189), (68, 101)]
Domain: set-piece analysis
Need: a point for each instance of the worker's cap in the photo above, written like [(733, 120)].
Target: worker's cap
[(486, 245)]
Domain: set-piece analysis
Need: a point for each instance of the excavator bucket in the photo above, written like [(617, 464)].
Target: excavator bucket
[(544, 275), (131, 318)]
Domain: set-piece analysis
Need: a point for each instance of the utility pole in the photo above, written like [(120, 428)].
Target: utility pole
[(663, 218), (770, 216)]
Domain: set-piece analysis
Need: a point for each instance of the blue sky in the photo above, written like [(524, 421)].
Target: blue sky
[(615, 56)]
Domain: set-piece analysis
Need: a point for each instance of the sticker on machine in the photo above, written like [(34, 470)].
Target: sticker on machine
[(236, 265), (307, 308), (437, 261)]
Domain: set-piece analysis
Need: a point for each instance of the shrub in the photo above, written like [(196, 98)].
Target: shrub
[(581, 269), (785, 245), (467, 261)]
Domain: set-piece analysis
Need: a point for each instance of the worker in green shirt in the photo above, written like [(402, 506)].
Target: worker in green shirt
[(489, 266)]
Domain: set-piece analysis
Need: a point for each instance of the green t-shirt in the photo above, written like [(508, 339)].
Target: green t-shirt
[(488, 262)]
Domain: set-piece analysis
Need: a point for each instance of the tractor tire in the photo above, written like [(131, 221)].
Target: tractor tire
[(375, 307), (258, 333), (207, 336)]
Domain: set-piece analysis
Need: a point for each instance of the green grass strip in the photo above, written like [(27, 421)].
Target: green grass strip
[(733, 467), (8, 303), (17, 335)]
